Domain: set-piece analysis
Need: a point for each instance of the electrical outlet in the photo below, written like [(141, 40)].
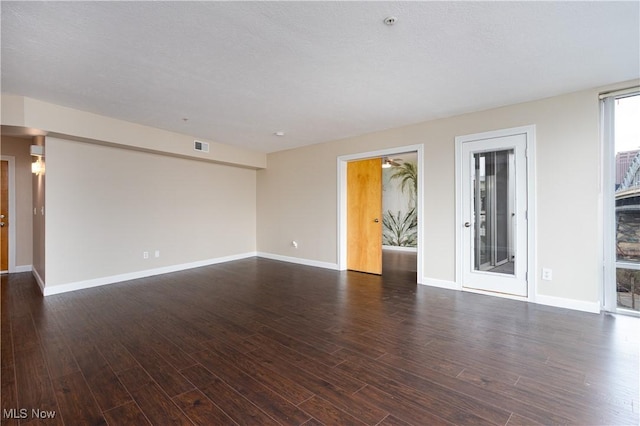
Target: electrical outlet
[(157, 254), (145, 254), (547, 274), (294, 244)]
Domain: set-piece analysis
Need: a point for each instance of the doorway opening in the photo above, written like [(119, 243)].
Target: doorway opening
[(406, 233)]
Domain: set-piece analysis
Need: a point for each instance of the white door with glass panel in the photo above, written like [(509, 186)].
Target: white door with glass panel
[(494, 214)]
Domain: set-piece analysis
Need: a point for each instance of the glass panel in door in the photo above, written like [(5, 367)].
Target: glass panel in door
[(493, 213)]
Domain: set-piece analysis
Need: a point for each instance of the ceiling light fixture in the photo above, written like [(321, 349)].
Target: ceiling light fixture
[(279, 133), (386, 163)]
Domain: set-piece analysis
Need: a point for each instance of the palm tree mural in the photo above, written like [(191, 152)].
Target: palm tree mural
[(407, 174), (401, 229)]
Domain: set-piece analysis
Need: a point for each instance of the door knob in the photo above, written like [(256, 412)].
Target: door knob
[(376, 220), (467, 225), (2, 216), (1, 224)]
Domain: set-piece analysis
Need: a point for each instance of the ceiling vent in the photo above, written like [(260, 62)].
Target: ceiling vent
[(201, 146)]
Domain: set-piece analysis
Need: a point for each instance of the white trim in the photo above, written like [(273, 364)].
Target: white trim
[(606, 231), (298, 260), (11, 263), (79, 285), (606, 201), (530, 132), (494, 294), (23, 268), (39, 280), (342, 200), (561, 302), (399, 248), (621, 93), (433, 282)]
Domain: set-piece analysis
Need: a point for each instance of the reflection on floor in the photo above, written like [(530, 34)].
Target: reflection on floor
[(400, 264), (505, 268)]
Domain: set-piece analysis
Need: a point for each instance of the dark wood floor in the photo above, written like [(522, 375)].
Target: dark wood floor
[(263, 342)]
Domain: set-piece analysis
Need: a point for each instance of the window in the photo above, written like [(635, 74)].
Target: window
[(621, 135)]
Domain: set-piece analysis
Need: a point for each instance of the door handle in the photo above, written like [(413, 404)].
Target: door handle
[(467, 225), (376, 220)]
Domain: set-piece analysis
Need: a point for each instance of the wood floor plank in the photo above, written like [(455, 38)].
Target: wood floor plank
[(158, 407), (367, 412), (169, 379), (6, 349), (300, 346), (9, 396), (134, 378), (128, 414), (400, 408), (116, 355), (452, 406), (24, 333), (328, 413), (201, 410), (289, 389), (76, 401), (263, 397), (235, 405), (33, 384), (107, 389), (346, 382)]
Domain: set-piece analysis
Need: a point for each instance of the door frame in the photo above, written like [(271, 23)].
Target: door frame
[(342, 200), (12, 211), (530, 134)]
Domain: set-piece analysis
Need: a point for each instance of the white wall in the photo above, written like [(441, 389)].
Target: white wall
[(105, 206), (297, 192)]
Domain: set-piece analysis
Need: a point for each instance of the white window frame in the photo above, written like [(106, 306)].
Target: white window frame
[(610, 264)]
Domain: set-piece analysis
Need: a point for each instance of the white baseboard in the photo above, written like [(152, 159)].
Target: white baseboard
[(23, 268), (399, 248), (38, 278), (561, 302), (299, 260), (558, 302), (433, 282), (79, 285)]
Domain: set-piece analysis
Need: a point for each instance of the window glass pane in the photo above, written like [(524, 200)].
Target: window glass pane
[(493, 205), (627, 173), (627, 200), (628, 289)]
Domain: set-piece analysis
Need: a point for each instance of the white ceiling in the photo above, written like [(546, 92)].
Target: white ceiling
[(318, 71)]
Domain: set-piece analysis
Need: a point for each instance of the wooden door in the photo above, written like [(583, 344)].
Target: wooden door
[(364, 216), (4, 217)]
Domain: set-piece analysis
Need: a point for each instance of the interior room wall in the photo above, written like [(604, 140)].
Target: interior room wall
[(297, 192), (19, 149), (105, 206)]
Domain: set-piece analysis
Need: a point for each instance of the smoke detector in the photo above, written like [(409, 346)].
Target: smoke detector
[(390, 20)]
